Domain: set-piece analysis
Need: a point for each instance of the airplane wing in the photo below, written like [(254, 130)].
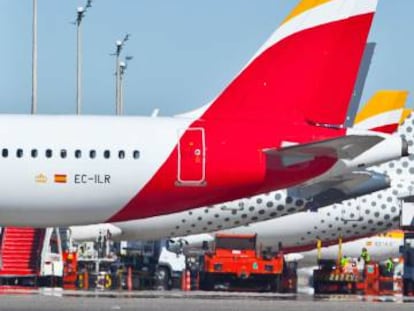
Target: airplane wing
[(339, 188)]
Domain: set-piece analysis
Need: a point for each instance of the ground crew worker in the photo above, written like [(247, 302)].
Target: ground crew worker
[(365, 256), (344, 261), (389, 265)]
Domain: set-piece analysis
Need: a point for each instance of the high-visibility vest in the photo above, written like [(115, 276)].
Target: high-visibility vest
[(389, 265), (366, 257)]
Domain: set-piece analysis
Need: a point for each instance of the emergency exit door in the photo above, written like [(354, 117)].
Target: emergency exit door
[(191, 157)]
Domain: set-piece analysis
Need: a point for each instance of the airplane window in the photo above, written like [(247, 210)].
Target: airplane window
[(5, 153), (136, 154), (19, 153), (121, 154), (92, 154), (63, 153), (107, 154), (34, 153), (78, 154), (48, 153)]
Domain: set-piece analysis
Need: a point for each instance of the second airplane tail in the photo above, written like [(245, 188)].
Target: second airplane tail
[(384, 112)]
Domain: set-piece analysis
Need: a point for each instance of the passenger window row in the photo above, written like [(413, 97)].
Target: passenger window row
[(78, 154)]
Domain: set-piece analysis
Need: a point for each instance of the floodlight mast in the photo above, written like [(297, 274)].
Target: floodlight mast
[(34, 59), (122, 68), (119, 45), (80, 14)]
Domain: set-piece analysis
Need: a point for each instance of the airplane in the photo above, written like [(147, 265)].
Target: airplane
[(383, 112), (380, 247), (279, 123), (349, 220)]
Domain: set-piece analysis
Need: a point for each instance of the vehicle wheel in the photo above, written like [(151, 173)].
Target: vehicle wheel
[(316, 287), (275, 284), (207, 282), (163, 280)]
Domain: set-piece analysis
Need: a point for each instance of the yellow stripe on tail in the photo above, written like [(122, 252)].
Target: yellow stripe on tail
[(303, 6), (406, 113), (383, 101)]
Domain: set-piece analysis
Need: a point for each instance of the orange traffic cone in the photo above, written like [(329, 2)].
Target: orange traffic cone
[(129, 279)]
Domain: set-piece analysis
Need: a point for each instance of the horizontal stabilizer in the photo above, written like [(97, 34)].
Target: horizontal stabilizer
[(339, 188), (345, 148)]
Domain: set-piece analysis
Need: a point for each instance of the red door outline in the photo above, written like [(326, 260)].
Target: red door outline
[(191, 157)]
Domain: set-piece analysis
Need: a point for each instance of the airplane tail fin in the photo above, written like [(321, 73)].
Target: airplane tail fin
[(305, 71), (403, 168), (384, 112), (360, 83)]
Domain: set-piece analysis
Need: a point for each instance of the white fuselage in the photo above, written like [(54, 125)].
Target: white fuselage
[(363, 217), (379, 247), (95, 188)]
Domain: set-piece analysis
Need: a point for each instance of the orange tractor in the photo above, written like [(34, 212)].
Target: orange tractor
[(236, 263)]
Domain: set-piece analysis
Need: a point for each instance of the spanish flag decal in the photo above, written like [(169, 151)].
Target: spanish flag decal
[(61, 178)]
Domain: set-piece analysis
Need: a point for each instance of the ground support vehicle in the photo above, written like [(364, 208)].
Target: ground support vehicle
[(134, 265), (237, 263), (407, 251), (355, 278), (289, 280), (30, 257)]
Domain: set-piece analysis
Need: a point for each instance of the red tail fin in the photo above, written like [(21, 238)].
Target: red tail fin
[(306, 70)]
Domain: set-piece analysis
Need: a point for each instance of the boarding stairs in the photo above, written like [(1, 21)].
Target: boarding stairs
[(20, 251)]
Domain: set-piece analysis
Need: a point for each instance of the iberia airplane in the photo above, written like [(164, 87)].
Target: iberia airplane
[(384, 111), (278, 124), (350, 220)]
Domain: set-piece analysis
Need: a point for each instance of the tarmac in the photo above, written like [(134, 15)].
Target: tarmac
[(192, 301)]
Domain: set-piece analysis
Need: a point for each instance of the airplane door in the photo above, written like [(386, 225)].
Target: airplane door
[(191, 157)]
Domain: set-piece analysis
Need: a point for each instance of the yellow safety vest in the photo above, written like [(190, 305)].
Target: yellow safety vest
[(390, 265)]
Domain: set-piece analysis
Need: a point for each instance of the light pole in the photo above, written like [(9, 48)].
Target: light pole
[(119, 45), (122, 69), (34, 59), (81, 11)]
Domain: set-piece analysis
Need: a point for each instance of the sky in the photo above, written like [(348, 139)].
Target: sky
[(184, 52)]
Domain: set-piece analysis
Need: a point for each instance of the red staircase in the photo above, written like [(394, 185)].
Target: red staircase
[(20, 251)]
